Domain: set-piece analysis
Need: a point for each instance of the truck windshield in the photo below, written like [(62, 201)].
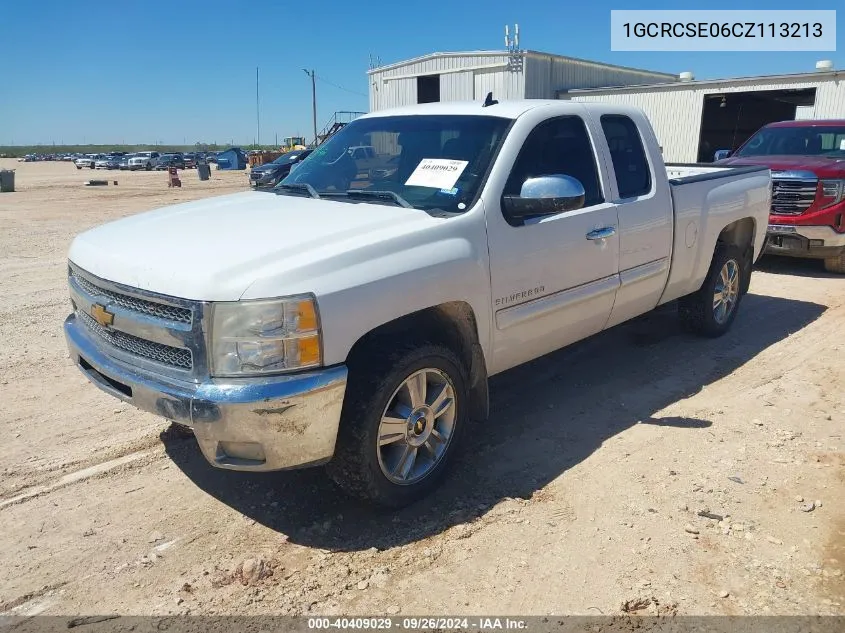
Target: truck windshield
[(808, 140), (430, 162)]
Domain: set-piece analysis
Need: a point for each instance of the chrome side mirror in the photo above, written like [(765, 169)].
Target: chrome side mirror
[(545, 195), (721, 153)]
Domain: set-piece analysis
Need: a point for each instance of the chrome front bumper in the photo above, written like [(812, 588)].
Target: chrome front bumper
[(804, 241), (253, 424)]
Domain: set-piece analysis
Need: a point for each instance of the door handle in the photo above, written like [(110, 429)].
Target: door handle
[(602, 233)]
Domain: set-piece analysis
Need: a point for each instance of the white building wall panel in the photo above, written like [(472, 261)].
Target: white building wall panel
[(805, 112), (830, 100), (676, 111), (675, 117), (396, 86), (392, 94), (504, 84), (457, 86), (545, 75)]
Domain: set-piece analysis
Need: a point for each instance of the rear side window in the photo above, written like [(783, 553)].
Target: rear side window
[(633, 177)]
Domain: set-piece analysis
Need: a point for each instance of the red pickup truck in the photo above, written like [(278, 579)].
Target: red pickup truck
[(807, 159)]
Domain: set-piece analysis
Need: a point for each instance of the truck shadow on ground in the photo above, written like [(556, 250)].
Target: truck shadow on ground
[(782, 265), (547, 416)]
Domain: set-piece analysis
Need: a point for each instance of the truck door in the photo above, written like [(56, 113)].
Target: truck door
[(644, 211), (553, 278)]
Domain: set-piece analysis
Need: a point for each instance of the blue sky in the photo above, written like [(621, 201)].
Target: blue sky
[(144, 71)]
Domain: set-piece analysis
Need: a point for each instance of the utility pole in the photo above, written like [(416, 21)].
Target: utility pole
[(257, 111), (313, 101)]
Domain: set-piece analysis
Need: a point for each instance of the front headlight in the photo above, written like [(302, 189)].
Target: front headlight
[(833, 191), (264, 337)]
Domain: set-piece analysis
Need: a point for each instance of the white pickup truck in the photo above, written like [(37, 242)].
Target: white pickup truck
[(351, 316)]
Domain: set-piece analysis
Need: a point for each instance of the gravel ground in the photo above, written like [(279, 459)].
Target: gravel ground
[(640, 471)]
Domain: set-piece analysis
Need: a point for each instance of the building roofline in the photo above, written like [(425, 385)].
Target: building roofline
[(527, 53), (822, 76)]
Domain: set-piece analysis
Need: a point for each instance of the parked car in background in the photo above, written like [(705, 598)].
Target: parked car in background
[(356, 323), (85, 161), (123, 163), (165, 161), (211, 157), (143, 160), (107, 162), (190, 160), (807, 159), (270, 174)]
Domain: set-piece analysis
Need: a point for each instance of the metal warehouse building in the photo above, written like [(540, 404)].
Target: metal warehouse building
[(507, 74), (693, 119)]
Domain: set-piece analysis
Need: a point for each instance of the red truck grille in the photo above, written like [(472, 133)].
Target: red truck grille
[(792, 196)]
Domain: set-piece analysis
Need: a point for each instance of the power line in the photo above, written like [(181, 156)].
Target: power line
[(360, 94)]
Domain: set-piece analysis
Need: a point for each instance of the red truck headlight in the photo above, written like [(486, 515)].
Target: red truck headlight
[(832, 192)]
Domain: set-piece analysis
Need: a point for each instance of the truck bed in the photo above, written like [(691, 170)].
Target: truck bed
[(682, 173), (706, 198)]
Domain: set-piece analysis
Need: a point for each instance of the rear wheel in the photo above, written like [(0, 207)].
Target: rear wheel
[(402, 419), (711, 310), (835, 264), (149, 167)]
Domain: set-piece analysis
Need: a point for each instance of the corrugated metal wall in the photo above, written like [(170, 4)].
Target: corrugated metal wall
[(545, 75), (397, 86), (470, 76), (675, 111)]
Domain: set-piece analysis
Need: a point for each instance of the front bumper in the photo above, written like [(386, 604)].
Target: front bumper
[(252, 424), (816, 242), (262, 180)]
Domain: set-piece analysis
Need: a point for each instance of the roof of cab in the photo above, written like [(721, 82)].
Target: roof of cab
[(809, 123), (503, 109)]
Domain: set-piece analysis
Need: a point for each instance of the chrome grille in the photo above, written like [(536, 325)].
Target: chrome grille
[(792, 196), (151, 308), (165, 354)]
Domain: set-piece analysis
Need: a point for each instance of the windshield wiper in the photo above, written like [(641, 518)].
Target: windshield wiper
[(299, 186), (382, 195)]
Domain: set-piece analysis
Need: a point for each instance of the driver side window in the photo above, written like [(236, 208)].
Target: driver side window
[(558, 146)]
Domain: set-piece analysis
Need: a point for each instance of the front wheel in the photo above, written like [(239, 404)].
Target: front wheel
[(149, 167), (402, 419), (78, 167), (711, 310), (835, 264)]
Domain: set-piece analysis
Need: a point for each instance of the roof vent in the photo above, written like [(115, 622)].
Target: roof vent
[(686, 76), (824, 65)]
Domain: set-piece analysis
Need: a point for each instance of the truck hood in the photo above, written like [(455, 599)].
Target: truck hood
[(822, 166), (214, 249)]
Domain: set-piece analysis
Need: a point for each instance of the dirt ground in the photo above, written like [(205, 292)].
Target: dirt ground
[(582, 494)]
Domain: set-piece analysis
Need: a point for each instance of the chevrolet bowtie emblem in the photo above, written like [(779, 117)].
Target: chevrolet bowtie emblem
[(101, 315)]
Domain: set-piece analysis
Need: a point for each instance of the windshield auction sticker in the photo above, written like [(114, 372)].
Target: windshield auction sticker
[(440, 173)]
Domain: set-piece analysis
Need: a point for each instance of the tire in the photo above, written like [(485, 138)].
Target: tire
[(377, 385), (78, 167), (93, 166), (747, 267), (835, 264), (698, 311), (149, 167)]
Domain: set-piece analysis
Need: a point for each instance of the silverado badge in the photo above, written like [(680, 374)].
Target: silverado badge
[(101, 315)]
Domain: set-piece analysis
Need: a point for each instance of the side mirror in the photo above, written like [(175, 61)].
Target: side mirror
[(545, 195), (721, 153)]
